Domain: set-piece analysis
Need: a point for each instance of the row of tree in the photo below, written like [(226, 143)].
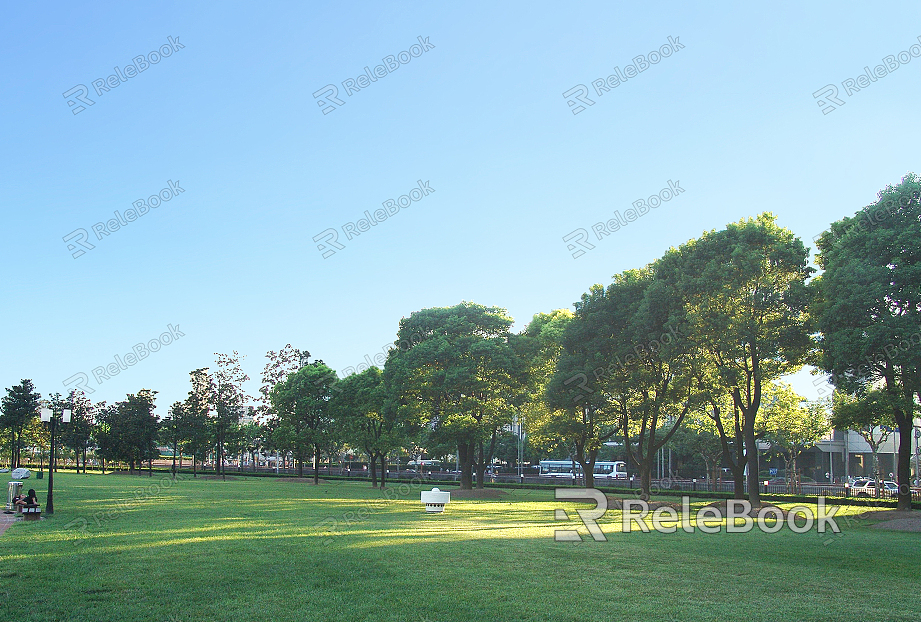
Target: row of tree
[(695, 341), (128, 433), (122, 432)]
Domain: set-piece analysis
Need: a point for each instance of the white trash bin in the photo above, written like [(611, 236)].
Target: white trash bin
[(15, 489), (435, 500)]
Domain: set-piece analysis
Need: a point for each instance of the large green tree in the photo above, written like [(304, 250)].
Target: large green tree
[(746, 310), (727, 422), (793, 426), (102, 439), (252, 439), (870, 415), (305, 419), (196, 416), (20, 405), (36, 435), (870, 307), (229, 401), (364, 421), (656, 389), (172, 432), (625, 369), (698, 437), (459, 372), (78, 433), (128, 431), (286, 361), (540, 345), (581, 412)]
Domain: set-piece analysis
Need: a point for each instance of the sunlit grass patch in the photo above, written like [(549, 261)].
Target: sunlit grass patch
[(275, 550)]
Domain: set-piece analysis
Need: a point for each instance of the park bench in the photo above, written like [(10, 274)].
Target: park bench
[(31, 512)]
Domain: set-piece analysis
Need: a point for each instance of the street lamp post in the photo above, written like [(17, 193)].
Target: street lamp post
[(520, 454), (48, 415), (520, 451)]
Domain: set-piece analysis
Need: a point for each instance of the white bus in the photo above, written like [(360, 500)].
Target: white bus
[(427, 465), (602, 470)]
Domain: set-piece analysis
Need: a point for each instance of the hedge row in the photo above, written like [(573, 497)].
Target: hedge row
[(630, 492)]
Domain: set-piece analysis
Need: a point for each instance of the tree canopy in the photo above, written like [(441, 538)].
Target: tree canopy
[(869, 308)]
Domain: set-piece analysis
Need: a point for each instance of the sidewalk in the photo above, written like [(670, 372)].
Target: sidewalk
[(6, 520)]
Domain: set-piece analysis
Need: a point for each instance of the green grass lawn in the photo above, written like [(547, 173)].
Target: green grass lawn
[(269, 550)]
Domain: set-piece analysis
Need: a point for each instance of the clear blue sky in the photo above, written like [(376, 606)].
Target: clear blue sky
[(231, 117)]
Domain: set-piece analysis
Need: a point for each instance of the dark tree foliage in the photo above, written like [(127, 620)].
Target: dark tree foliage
[(20, 405)]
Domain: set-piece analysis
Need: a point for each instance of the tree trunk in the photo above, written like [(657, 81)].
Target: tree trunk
[(751, 453), (588, 466), (737, 463), (17, 450), (645, 479), (904, 458), (372, 464), (790, 472), (480, 467), (876, 469), (749, 408), (588, 474), (738, 481)]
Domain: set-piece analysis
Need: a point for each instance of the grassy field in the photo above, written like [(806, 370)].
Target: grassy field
[(129, 548)]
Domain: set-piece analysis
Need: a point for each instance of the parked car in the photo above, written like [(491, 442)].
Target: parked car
[(867, 488)]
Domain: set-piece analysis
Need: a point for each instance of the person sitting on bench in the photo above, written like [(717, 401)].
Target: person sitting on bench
[(27, 501)]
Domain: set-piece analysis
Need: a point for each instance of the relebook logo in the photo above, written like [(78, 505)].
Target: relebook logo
[(578, 95), (78, 240), (827, 96), (138, 64), (138, 353), (328, 241), (579, 237), (708, 519), (328, 97)]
